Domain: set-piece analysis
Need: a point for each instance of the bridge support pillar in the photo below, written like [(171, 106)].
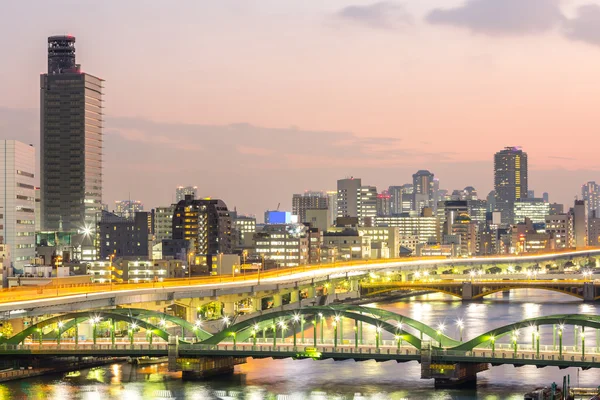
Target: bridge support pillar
[(173, 352), (276, 300), (257, 303), (294, 296), (467, 291), (191, 314), (589, 291), (206, 367), (228, 308), (310, 292), (354, 286), (459, 375)]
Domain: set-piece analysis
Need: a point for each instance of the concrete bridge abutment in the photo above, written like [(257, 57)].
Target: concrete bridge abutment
[(589, 291)]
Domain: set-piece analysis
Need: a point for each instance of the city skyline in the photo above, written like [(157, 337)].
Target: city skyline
[(250, 123)]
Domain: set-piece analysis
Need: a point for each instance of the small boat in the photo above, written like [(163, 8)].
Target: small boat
[(73, 374), (147, 360)]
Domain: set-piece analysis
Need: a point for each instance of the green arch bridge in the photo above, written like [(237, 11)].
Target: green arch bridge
[(321, 332)]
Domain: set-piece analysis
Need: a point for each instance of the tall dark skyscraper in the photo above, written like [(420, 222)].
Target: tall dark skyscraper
[(510, 180), (70, 141)]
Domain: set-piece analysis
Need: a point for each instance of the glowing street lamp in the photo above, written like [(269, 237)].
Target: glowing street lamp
[(226, 322), (322, 322), (460, 324), (440, 331), (561, 327)]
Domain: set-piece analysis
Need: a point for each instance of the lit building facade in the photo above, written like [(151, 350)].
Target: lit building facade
[(182, 191), (287, 244), (535, 209), (590, 192), (367, 204), (424, 190), (163, 223), (332, 206), (594, 232), (127, 208), (412, 230), (17, 200), (560, 226), (123, 237), (245, 228), (348, 197), (71, 123), (580, 223), (308, 201), (206, 223), (384, 204)]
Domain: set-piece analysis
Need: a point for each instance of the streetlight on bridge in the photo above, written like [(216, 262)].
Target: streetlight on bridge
[(440, 331), (460, 324)]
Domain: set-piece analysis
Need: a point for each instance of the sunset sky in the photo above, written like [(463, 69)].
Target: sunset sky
[(252, 101)]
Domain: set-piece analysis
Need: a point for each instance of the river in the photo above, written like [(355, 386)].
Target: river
[(308, 379)]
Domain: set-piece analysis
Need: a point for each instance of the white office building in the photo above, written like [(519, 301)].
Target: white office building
[(17, 200)]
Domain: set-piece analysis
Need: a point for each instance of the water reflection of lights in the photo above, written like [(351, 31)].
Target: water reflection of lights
[(422, 312), (587, 309), (531, 310), (131, 394), (96, 374)]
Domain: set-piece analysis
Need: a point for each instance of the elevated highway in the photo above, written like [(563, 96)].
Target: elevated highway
[(27, 301)]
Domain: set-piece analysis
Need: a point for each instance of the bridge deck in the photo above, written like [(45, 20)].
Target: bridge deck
[(504, 354)]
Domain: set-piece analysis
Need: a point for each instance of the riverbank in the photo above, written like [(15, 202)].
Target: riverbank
[(16, 374)]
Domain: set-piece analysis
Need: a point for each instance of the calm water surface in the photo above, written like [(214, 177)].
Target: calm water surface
[(308, 379)]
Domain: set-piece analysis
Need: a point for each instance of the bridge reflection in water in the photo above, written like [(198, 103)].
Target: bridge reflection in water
[(302, 334)]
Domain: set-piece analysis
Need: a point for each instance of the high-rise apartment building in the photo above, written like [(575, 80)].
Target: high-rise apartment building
[(580, 223), (408, 199), (594, 232), (245, 228), (384, 206), (207, 224), (182, 191), (560, 227), (348, 197), (367, 204), (126, 208), (70, 141), (17, 200), (510, 180), (355, 200), (590, 192), (308, 201), (123, 237), (163, 223), (395, 193), (424, 190), (332, 199)]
